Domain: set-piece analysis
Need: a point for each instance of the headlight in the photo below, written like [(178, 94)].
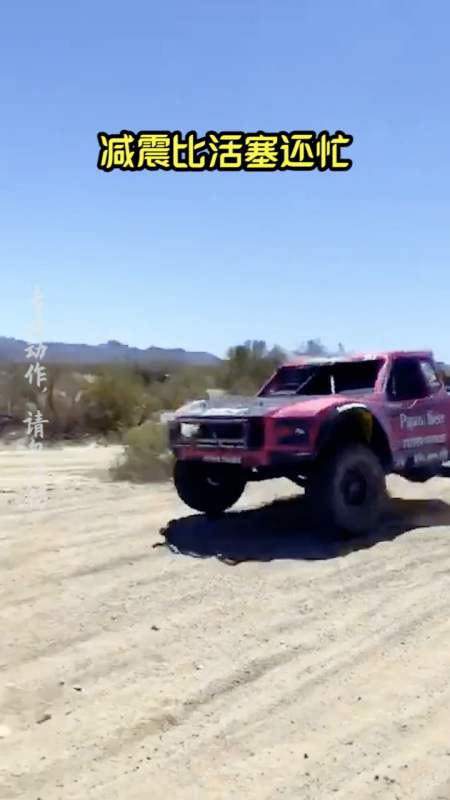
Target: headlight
[(188, 430), (180, 432), (291, 431)]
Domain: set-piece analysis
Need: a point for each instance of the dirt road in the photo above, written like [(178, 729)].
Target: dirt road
[(247, 660)]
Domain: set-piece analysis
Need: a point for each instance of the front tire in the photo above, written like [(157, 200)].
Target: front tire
[(209, 488), (347, 490)]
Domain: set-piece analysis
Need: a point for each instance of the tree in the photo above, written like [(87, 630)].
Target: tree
[(313, 347), (249, 365)]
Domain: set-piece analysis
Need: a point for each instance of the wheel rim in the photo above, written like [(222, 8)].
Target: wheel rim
[(354, 488), (212, 482), (213, 477)]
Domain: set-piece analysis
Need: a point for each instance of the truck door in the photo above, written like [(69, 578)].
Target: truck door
[(418, 410)]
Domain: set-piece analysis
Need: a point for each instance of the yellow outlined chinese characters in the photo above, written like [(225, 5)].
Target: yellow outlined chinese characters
[(223, 151)]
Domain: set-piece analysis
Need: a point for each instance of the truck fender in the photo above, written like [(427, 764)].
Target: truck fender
[(355, 422)]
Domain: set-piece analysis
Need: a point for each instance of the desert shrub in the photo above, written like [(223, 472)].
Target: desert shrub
[(62, 403), (146, 456), (108, 399), (114, 401), (15, 391), (187, 383)]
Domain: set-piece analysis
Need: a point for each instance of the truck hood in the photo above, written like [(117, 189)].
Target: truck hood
[(241, 406)]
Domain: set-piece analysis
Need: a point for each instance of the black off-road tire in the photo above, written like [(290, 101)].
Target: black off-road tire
[(209, 488), (347, 491)]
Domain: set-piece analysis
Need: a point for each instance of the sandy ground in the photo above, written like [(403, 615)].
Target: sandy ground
[(249, 659)]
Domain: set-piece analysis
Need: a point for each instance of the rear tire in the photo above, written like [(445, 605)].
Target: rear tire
[(347, 491), (209, 488)]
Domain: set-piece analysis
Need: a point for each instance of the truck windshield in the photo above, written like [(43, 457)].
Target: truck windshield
[(323, 379)]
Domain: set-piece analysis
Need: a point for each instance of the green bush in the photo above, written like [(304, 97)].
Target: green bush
[(146, 457), (62, 403), (15, 391), (114, 401)]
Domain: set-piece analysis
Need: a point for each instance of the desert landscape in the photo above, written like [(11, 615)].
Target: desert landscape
[(148, 653), (224, 256)]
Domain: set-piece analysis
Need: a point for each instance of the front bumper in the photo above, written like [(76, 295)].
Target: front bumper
[(247, 459), (247, 442)]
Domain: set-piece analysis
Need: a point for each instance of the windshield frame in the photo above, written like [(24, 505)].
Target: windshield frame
[(312, 369)]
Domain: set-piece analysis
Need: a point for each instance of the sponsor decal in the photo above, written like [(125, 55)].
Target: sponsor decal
[(425, 458), (430, 418), (421, 459), (423, 441), (223, 459)]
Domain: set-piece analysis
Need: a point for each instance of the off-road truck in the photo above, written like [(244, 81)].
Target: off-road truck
[(336, 426)]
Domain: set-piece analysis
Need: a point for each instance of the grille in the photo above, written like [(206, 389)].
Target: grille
[(244, 433), (221, 433)]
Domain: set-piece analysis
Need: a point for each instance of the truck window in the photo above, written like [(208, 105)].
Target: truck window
[(406, 381), (430, 376)]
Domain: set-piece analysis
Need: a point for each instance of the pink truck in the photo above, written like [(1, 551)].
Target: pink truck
[(336, 426)]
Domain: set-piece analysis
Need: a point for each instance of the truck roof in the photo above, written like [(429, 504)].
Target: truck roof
[(389, 354)]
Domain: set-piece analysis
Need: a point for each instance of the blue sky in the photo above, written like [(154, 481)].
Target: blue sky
[(208, 260)]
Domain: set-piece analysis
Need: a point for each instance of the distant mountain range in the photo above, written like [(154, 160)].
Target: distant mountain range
[(112, 351)]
